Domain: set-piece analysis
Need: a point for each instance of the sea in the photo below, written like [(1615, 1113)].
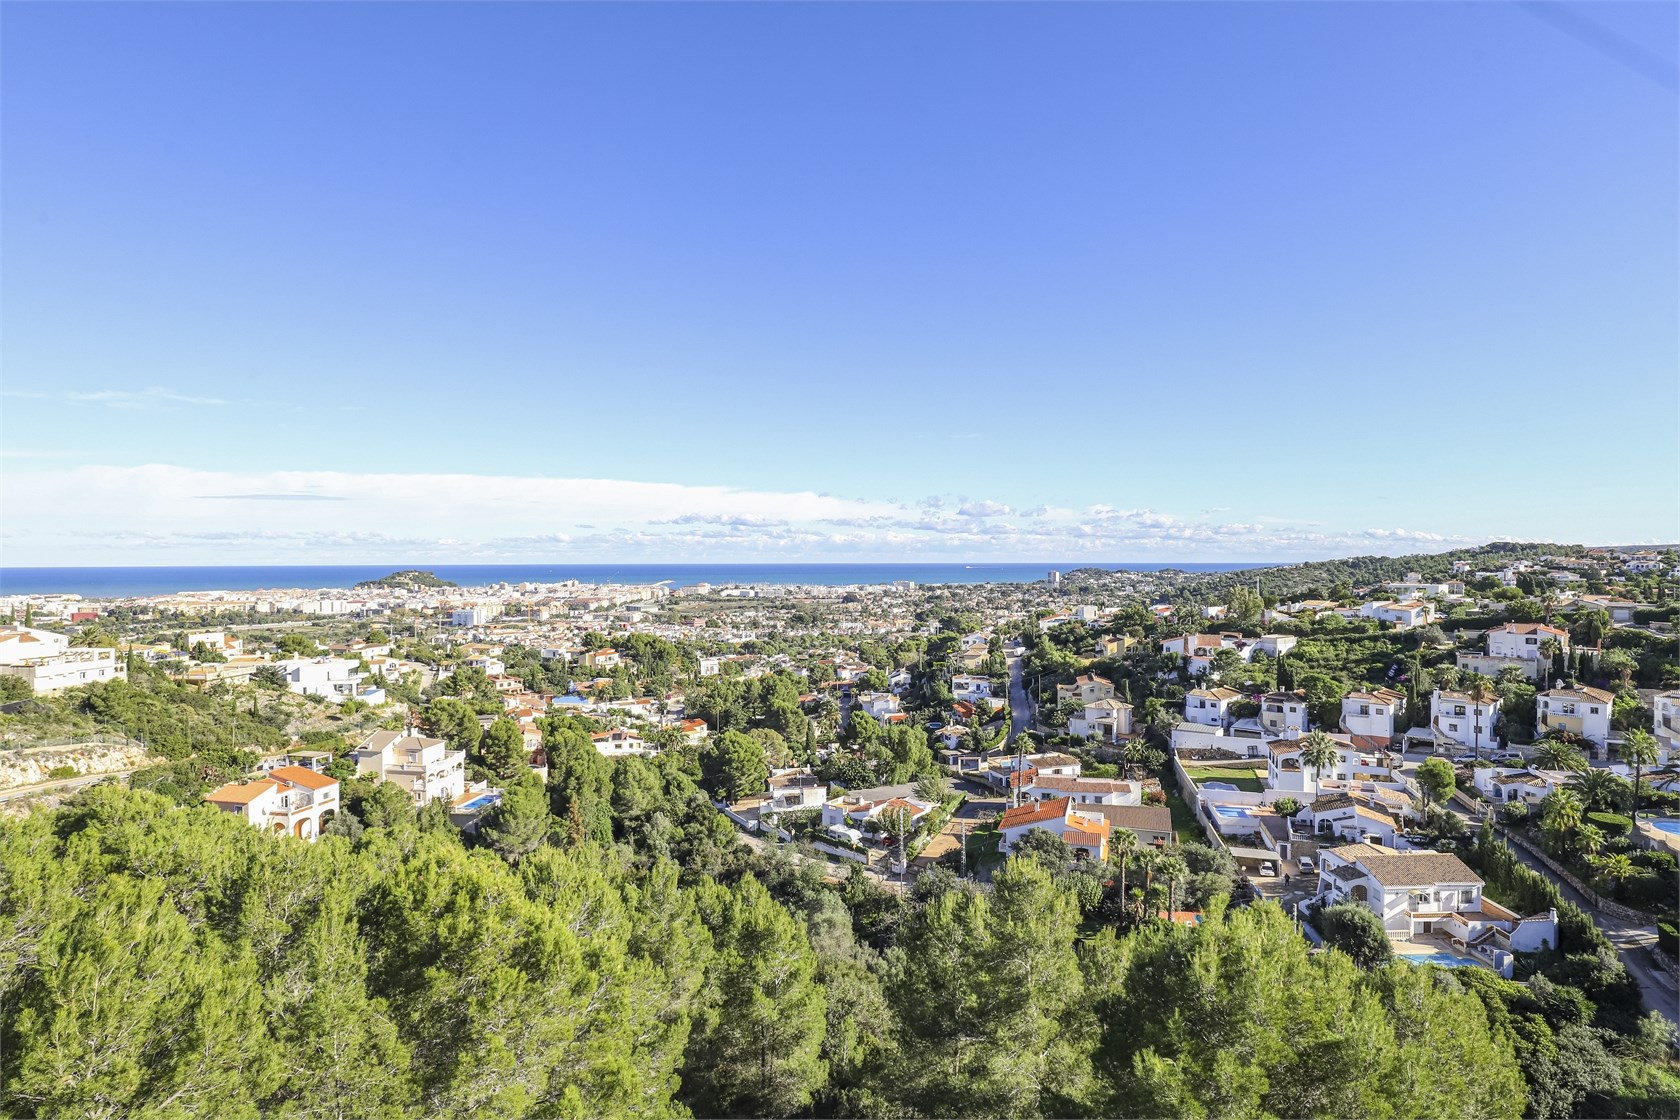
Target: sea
[(123, 583)]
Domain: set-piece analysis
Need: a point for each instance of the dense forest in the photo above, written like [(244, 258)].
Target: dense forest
[(609, 948)]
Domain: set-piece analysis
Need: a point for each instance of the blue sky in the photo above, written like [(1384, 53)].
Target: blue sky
[(715, 282)]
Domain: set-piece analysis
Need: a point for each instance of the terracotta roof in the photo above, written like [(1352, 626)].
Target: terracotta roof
[(1530, 628), (1406, 869), (1087, 826), (302, 776), (1052, 810), (241, 793), (1595, 694), (1082, 785)]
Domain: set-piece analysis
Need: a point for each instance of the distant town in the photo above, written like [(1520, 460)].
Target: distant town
[(1468, 762)]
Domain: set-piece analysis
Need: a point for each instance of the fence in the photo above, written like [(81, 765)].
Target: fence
[(10, 744)]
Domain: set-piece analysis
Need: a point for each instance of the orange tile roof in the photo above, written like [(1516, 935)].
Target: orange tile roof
[(1053, 810), (302, 776), (1088, 827), (240, 793)]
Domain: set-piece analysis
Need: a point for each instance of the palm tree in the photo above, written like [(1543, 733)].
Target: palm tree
[(1320, 752), (1479, 693), (1553, 753), (1615, 869), (1560, 812), (1549, 649), (1122, 847), (1600, 789), (1639, 750), (1589, 838), (1174, 870)]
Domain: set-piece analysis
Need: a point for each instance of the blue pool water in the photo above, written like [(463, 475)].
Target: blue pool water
[(1232, 810), (481, 801), (1218, 785), (1442, 958), (1667, 824)]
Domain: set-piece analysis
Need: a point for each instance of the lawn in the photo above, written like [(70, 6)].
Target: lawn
[(1185, 826), (1247, 780)]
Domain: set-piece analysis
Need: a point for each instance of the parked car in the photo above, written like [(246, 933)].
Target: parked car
[(1306, 864), (1415, 839), (1463, 759), (1507, 756), (1268, 870)]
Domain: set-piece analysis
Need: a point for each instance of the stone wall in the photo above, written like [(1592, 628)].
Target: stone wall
[(33, 765), (1614, 909)]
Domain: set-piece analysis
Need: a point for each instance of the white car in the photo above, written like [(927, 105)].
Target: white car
[(1306, 864), (1268, 870)]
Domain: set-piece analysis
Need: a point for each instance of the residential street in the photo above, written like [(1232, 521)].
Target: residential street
[(1020, 707), (1635, 944)]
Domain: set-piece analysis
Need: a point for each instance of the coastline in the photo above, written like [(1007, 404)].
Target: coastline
[(143, 581)]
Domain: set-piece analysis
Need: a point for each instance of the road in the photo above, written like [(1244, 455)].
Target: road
[(1020, 705), (60, 785), (1634, 943)]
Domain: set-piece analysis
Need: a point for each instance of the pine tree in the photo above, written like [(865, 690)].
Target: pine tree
[(760, 1050), (503, 750), (521, 822), (342, 1055)]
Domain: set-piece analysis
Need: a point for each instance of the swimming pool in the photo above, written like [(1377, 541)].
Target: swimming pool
[(1233, 810), (1670, 825), (1440, 957), (1219, 785), (482, 801)]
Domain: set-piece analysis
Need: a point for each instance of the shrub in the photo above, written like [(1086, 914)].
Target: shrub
[(1668, 938), (58, 772), (1613, 824)]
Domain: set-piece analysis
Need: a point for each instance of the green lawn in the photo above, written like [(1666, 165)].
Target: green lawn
[(1247, 780), (1185, 826)]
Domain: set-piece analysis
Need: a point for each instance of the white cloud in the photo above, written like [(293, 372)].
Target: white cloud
[(983, 509), (168, 514), (154, 396)]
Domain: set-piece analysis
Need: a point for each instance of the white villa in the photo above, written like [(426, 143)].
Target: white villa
[(1458, 720), (333, 678), (426, 768), (1085, 832), (1368, 717), (1082, 790), (1431, 896), (879, 705), (967, 687), (1583, 711), (1285, 773), (1109, 720), (1404, 615), (50, 664), (1282, 712), (1665, 725), (291, 799), (1522, 640), (1210, 707)]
